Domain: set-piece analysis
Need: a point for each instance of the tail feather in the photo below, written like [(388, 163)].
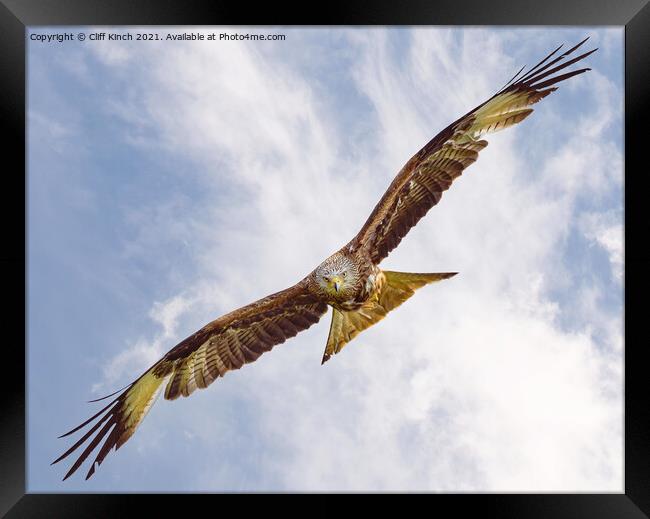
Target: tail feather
[(398, 287)]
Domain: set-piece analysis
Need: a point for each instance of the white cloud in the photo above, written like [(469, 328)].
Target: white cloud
[(606, 230), (112, 53), (130, 363), (472, 384)]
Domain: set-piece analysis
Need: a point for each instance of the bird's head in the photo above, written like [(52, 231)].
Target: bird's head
[(337, 276), (334, 283)]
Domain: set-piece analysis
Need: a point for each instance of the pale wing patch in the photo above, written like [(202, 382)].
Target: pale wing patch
[(222, 345), (421, 182)]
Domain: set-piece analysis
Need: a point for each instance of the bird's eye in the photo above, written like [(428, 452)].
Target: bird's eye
[(343, 274), (326, 278)]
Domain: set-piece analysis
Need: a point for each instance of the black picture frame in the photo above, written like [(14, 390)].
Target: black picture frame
[(17, 15)]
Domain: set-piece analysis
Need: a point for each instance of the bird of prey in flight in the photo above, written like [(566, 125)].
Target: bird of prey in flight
[(350, 280)]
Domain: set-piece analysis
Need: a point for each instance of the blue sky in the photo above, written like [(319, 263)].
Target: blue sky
[(172, 182)]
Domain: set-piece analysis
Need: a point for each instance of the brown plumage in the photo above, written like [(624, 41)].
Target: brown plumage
[(350, 281)]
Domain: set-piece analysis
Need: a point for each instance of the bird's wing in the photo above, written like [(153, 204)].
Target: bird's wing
[(420, 183), (225, 344)]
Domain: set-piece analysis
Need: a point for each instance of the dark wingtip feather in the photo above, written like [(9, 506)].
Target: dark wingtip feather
[(534, 82), (91, 447), (108, 396), (555, 80), (536, 67), (89, 419), (110, 436), (108, 420), (91, 471), (539, 72), (511, 79), (576, 46), (85, 436)]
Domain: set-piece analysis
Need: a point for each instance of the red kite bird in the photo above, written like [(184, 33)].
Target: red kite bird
[(350, 281)]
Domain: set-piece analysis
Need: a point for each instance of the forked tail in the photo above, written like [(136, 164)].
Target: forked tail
[(399, 286)]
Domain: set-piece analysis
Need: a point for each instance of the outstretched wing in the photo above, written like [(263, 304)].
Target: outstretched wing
[(420, 183), (225, 344)]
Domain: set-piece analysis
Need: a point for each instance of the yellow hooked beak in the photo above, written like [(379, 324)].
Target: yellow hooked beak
[(336, 283)]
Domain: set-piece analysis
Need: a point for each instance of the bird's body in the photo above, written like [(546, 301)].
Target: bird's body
[(350, 280)]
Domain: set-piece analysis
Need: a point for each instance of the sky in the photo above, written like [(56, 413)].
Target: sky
[(170, 182)]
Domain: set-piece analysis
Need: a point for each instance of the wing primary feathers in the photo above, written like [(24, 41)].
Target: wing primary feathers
[(537, 77), (89, 419), (91, 447), (532, 81), (511, 80), (528, 78), (83, 438), (106, 448), (123, 415), (536, 67), (108, 396), (575, 47), (557, 79)]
